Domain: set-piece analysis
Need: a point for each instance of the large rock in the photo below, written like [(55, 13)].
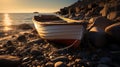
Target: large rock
[(101, 22), (9, 61), (96, 34), (96, 38)]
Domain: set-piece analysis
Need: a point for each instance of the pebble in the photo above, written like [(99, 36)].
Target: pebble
[(35, 51), (2, 51), (77, 60), (8, 43), (11, 49), (22, 38), (26, 59), (49, 64), (60, 64), (70, 57)]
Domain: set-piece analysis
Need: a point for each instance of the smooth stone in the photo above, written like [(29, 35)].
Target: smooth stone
[(25, 51), (35, 51), (70, 57), (22, 38), (60, 58), (8, 43), (77, 60), (26, 59), (11, 49), (100, 22), (49, 64), (9, 61), (60, 64)]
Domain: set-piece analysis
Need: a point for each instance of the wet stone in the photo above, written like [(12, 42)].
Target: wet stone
[(60, 64), (25, 52), (2, 51), (35, 51), (8, 43), (49, 64), (11, 49), (22, 38), (77, 60), (25, 59), (70, 57)]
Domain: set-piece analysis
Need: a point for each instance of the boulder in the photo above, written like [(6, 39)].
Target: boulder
[(96, 38)]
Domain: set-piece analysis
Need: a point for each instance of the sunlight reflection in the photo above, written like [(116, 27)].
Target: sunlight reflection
[(7, 22)]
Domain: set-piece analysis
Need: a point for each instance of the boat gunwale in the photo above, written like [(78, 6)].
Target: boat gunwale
[(53, 23)]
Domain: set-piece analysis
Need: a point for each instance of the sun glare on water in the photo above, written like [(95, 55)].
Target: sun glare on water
[(7, 22)]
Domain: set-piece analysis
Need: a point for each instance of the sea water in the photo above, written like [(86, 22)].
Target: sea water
[(12, 19), (15, 18)]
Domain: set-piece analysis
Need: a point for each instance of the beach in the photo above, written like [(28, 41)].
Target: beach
[(22, 46)]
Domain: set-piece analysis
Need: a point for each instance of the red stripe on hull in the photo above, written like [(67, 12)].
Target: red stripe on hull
[(65, 42)]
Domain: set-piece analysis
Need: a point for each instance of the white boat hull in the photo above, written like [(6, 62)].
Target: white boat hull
[(60, 33)]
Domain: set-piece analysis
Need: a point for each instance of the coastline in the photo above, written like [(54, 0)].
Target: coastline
[(22, 47)]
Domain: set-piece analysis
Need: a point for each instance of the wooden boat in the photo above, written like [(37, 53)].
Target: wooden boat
[(55, 30)]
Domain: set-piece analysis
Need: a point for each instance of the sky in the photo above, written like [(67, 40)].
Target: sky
[(28, 6)]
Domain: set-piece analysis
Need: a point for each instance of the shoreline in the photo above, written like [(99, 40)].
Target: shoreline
[(23, 47), (28, 49)]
